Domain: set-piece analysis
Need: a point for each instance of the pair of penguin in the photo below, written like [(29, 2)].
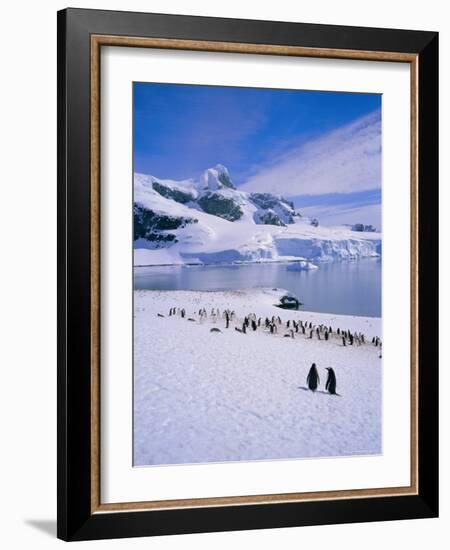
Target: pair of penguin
[(313, 380)]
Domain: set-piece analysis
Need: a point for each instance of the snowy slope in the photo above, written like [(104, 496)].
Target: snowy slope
[(209, 221), (217, 396)]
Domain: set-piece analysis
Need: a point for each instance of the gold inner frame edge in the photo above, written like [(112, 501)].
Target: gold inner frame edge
[(97, 41)]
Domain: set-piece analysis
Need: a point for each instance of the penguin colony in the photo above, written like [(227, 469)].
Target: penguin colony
[(292, 328), (274, 325)]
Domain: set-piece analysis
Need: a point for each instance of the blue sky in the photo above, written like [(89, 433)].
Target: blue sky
[(322, 149)]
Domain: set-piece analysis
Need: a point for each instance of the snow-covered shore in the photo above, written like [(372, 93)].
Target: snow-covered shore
[(202, 396)]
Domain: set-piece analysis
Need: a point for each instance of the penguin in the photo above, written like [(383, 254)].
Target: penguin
[(238, 329), (287, 323), (227, 320), (326, 335), (190, 319), (311, 334), (312, 379), (254, 326), (343, 341), (160, 315), (339, 331), (330, 384), (244, 328), (303, 329), (183, 313), (215, 329)]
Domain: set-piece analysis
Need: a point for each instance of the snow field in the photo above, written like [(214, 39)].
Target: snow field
[(202, 396)]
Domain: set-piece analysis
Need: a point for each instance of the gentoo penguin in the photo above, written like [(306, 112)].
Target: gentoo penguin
[(313, 378), (330, 384)]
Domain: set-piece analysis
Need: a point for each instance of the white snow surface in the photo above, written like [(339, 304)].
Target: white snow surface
[(216, 240), (202, 396)]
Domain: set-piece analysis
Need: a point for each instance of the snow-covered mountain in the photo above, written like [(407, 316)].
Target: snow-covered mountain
[(208, 220)]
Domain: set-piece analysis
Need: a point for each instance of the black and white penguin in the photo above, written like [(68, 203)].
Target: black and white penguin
[(312, 379), (330, 384)]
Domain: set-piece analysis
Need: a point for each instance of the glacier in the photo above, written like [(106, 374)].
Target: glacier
[(208, 221)]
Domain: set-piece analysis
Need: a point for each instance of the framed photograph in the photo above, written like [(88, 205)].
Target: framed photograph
[(248, 304)]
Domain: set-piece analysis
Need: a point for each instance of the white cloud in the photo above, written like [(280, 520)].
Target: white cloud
[(345, 160)]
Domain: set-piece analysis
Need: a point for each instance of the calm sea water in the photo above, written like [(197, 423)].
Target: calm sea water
[(348, 288)]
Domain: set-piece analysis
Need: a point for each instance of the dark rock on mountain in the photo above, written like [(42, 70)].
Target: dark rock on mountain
[(268, 217), (154, 227), (221, 206), (283, 209), (174, 194)]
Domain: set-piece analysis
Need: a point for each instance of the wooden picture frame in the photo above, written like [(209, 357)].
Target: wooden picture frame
[(81, 35)]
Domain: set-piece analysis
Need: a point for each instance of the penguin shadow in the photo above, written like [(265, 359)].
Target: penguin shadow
[(305, 388)]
